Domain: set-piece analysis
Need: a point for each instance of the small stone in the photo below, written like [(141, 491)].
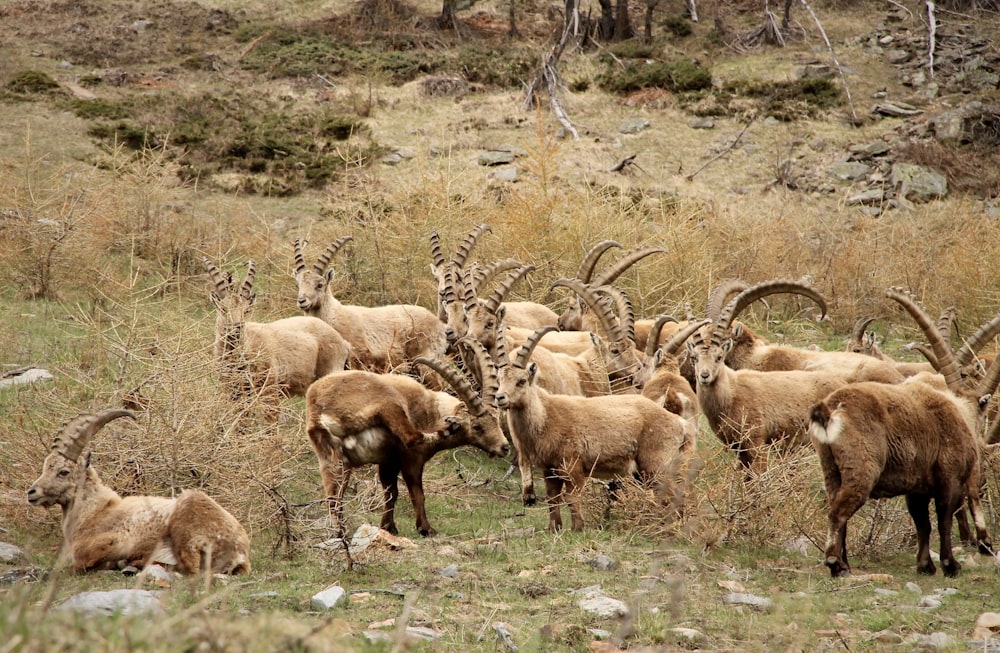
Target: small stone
[(888, 637), (929, 602), (849, 171), (912, 587), (603, 606), (603, 563), (881, 591), (10, 554), (124, 602), (756, 602), (689, 635), (633, 126), (701, 123), (451, 571), (328, 598)]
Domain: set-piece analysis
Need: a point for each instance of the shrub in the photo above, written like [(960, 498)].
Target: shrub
[(677, 76), (29, 82)]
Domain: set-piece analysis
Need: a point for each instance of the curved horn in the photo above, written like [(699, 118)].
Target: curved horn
[(524, 353), (465, 248), (500, 357), (923, 349), (77, 432), (457, 381), (436, 254), (977, 341), (626, 314), (763, 289), (589, 262), (497, 296), (720, 295), (945, 322), (858, 332), (449, 294), (246, 288), (673, 345), (483, 276), (323, 261), (989, 383), (653, 339), (469, 298), (993, 436), (945, 364), (611, 327), (487, 369), (221, 281), (300, 259), (625, 262)]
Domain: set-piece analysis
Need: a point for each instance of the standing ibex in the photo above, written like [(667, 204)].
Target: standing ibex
[(358, 418), (659, 378), (102, 530), (381, 337), (283, 356), (917, 438)]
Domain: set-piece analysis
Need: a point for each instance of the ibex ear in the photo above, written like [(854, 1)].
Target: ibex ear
[(984, 401), (252, 298), (329, 275), (727, 346), (532, 371), (690, 347), (658, 356), (594, 338), (737, 330), (501, 312), (85, 459)]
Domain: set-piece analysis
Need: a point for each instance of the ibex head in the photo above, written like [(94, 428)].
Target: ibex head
[(312, 283)]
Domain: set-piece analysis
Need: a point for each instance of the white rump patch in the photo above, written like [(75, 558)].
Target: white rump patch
[(832, 431), (332, 426)]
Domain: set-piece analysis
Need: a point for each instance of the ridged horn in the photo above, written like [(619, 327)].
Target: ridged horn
[(626, 314), (485, 275), (487, 369), (989, 383), (977, 341), (589, 262), (246, 288), (858, 332), (624, 263), (449, 294), (673, 344), (945, 323), (611, 327), (436, 254), (465, 247), (458, 381), (222, 282), (721, 294), (500, 357), (469, 298), (653, 339), (77, 432), (500, 291), (924, 350), (300, 259), (757, 291), (331, 250), (945, 364), (524, 353)]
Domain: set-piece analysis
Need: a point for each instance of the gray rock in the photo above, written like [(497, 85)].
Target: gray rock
[(157, 574), (496, 157), (881, 591), (600, 633), (689, 636), (451, 571), (29, 375), (603, 563), (701, 123), (868, 150), (887, 637), (105, 603), (392, 158), (868, 197), (328, 598), (507, 174), (421, 632), (898, 56), (10, 554), (916, 183), (849, 171), (141, 25), (912, 587), (633, 126), (603, 606), (929, 602), (950, 126), (815, 71), (740, 598), (933, 643)]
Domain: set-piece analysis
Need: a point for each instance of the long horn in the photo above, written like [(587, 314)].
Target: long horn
[(924, 350), (945, 323), (457, 381), (977, 341), (500, 292), (77, 432), (485, 275), (487, 369), (589, 262), (436, 254), (755, 292), (993, 435), (524, 353), (449, 294), (720, 295), (500, 357), (611, 327), (946, 364), (988, 385), (469, 297), (300, 259), (626, 314), (858, 332), (673, 345), (624, 263), (323, 261), (246, 288), (465, 248), (653, 339), (221, 281)]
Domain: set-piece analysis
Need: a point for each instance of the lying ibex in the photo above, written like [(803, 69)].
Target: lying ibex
[(917, 438), (572, 438), (102, 530), (358, 418), (865, 342), (381, 337), (283, 356)]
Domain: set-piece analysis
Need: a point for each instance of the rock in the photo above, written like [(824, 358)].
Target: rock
[(887, 637), (896, 109), (849, 171), (929, 602), (868, 197), (451, 571), (933, 643), (756, 602), (444, 85), (603, 563), (496, 157), (898, 56), (391, 159), (23, 376), (10, 554), (507, 174), (815, 71), (701, 123), (633, 126), (950, 126), (111, 602), (881, 591), (912, 587), (328, 598), (864, 151), (603, 606), (916, 183), (987, 626), (801, 545), (688, 636), (158, 576)]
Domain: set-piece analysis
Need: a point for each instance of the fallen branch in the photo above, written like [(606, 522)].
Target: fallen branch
[(833, 55), (723, 152)]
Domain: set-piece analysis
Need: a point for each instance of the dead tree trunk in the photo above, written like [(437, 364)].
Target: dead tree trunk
[(648, 26), (623, 24), (548, 77)]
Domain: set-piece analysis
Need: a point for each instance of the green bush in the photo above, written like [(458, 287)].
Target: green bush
[(677, 76), (509, 68), (32, 81)]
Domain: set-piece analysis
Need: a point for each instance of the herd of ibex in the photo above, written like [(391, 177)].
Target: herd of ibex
[(590, 392)]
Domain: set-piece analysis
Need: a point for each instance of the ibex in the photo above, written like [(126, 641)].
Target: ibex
[(102, 530)]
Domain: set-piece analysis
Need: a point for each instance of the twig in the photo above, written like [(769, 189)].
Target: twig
[(900, 6), (621, 165), (325, 80), (931, 37), (723, 152), (843, 79)]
